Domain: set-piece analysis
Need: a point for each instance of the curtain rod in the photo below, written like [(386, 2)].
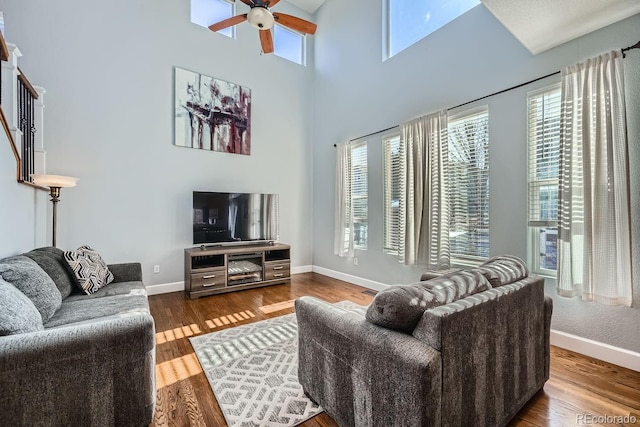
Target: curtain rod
[(624, 50)]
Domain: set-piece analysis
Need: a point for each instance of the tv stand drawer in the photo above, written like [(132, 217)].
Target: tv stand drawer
[(210, 279), (277, 269)]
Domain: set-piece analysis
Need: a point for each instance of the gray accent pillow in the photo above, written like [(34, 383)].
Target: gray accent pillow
[(504, 269), (90, 270), (401, 307), (51, 260), (18, 315), (31, 280)]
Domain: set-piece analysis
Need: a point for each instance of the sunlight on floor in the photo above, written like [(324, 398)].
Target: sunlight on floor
[(177, 369), (266, 309), (193, 329), (229, 319), (177, 333)]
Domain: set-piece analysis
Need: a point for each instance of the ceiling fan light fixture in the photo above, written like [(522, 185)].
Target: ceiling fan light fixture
[(260, 18)]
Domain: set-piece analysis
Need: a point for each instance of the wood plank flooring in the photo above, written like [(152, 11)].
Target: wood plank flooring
[(578, 384)]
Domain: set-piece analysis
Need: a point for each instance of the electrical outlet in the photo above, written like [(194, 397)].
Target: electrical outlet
[(355, 261), (156, 268)]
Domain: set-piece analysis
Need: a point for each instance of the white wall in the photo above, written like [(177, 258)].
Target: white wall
[(108, 71), (356, 94)]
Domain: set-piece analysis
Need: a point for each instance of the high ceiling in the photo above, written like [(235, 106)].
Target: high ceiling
[(542, 24), (307, 5)]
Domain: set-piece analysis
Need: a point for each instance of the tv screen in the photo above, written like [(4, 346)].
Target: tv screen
[(234, 217)]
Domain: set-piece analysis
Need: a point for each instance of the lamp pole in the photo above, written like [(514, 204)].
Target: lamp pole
[(55, 183), (55, 197)]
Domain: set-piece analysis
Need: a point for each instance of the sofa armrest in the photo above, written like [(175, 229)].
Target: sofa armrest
[(363, 374), (95, 373), (494, 348), (127, 272)]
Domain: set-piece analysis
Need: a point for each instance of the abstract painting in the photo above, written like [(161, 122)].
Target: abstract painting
[(211, 114)]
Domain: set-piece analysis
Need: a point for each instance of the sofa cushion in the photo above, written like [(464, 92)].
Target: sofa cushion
[(90, 270), (400, 307), (18, 315), (51, 260), (34, 282), (115, 288), (504, 269), (88, 310)]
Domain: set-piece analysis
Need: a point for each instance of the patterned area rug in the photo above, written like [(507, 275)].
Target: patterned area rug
[(253, 371)]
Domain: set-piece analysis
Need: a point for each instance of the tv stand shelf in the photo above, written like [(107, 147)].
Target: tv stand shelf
[(217, 269)]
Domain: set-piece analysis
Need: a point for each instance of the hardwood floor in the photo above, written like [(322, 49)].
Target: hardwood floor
[(578, 384)]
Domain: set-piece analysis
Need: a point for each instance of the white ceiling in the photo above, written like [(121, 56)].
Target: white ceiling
[(542, 24), (307, 5)]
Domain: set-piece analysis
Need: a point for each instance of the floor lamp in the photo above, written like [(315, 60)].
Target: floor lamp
[(55, 183)]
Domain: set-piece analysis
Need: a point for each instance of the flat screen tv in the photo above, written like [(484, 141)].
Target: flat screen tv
[(224, 218)]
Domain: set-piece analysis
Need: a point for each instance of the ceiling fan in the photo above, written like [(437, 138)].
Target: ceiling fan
[(262, 18)]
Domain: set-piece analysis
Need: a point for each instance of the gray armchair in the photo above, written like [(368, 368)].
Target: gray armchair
[(473, 361)]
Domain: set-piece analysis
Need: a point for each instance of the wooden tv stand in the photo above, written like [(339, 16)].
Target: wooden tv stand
[(217, 269)]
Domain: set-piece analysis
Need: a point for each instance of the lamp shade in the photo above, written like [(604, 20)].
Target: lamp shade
[(260, 18), (58, 181)]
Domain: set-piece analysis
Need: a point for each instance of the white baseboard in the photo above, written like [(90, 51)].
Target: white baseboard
[(165, 288), (302, 269), (608, 353), (371, 284)]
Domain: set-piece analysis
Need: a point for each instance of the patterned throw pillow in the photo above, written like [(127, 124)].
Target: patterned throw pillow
[(90, 270)]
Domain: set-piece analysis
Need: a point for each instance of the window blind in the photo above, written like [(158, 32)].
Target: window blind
[(359, 194), (394, 188), (469, 184), (544, 156)]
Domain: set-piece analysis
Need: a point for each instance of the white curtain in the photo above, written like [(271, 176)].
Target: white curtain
[(426, 206), (594, 248), (343, 231)]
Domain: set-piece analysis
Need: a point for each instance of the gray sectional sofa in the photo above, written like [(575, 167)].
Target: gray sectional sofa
[(67, 358), (467, 348)]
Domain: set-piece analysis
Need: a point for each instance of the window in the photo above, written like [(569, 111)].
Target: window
[(207, 12), (408, 21), (359, 194), (393, 191), (469, 185), (544, 160), (289, 44)]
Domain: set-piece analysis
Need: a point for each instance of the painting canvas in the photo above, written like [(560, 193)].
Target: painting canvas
[(211, 114)]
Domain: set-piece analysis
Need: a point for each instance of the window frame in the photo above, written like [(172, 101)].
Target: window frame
[(462, 259), (534, 231), (363, 219), (303, 44), (386, 29), (388, 175), (232, 29)]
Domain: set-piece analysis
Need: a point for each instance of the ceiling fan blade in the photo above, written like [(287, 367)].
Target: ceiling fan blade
[(225, 23), (266, 40), (273, 3), (247, 2), (295, 23)]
